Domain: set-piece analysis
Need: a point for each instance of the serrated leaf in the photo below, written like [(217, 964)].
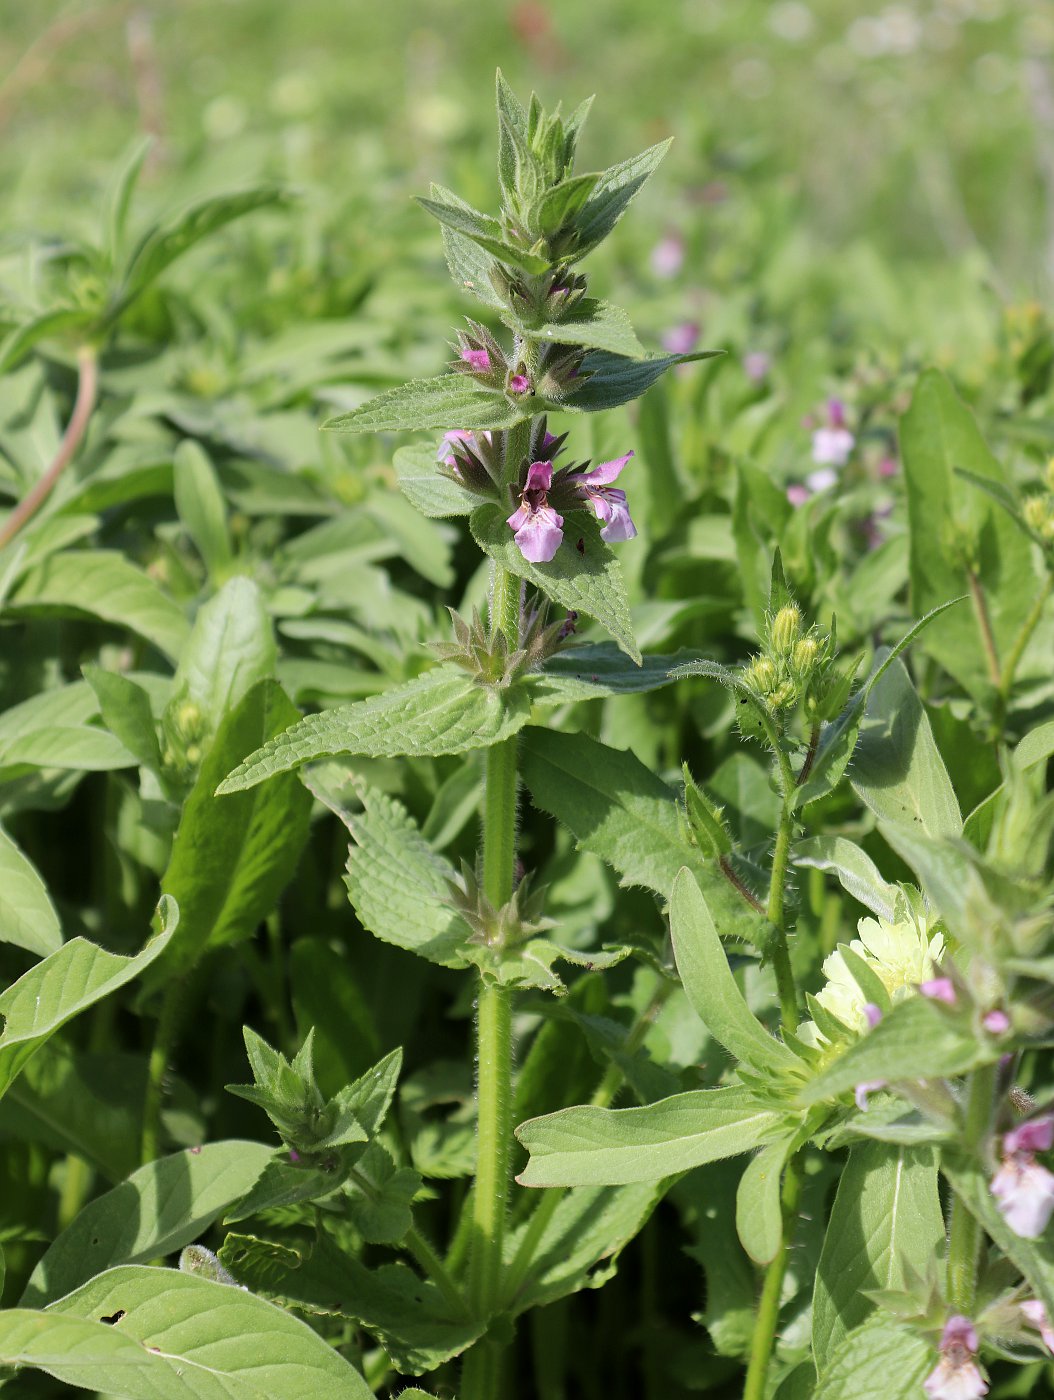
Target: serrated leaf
[(486, 233), (160, 1208), (586, 581), (380, 1195), (615, 189), (469, 265), (617, 808), (442, 712), (224, 1342), (105, 585), (232, 857), (597, 325), (65, 984), (710, 986), (614, 1146), (886, 1220), (27, 915), (879, 1358), (617, 379), (447, 401), (421, 482), (561, 202)]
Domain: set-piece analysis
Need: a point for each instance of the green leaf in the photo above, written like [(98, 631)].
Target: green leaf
[(379, 1201), (897, 768), (120, 195), (617, 808), (614, 1146), (469, 265), (586, 580), (614, 190), (201, 505), (59, 321), (444, 711), (127, 713), (598, 669), (27, 915), (104, 585), (231, 648), (598, 325), (617, 379), (64, 985), (856, 871), (159, 248), (879, 1358), (759, 1216), (232, 857), (449, 399), (85, 747), (420, 481), (160, 1208), (219, 1341), (561, 202), (486, 233), (710, 985), (947, 519), (886, 1220), (408, 1316), (917, 1040)]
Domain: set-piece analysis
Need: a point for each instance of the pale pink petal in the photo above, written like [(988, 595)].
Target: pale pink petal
[(540, 537), (1024, 1192), (939, 989), (539, 476), (604, 473), (1037, 1135)]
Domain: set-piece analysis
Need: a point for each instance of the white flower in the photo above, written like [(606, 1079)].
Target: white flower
[(902, 955)]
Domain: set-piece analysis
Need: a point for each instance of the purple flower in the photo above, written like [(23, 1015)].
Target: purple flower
[(873, 1014), (756, 365), (798, 494), (939, 989), (538, 529), (681, 339), (822, 480), (956, 1376), (1036, 1316), (1024, 1191), (833, 444), (445, 455), (477, 359), (519, 384), (607, 502), (996, 1022), (667, 257), (889, 466)]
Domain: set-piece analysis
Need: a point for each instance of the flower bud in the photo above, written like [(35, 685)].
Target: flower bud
[(806, 654), (786, 628), (760, 675)]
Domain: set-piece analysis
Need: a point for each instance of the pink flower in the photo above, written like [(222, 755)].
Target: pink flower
[(822, 480), (608, 502), (889, 466), (996, 1022), (756, 365), (681, 339), (477, 359), (667, 257), (873, 1014), (1036, 1316), (445, 455), (939, 989), (832, 445), (956, 1376), (1024, 1191), (519, 384), (538, 529), (798, 494)]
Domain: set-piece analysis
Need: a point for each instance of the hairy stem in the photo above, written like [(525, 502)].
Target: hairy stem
[(769, 1304), (984, 625), (775, 911), (727, 870), (1021, 641), (87, 389), (964, 1235)]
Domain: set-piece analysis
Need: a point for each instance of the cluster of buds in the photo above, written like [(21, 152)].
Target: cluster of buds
[(1038, 512), (184, 736), (796, 667), (480, 355), (485, 651)]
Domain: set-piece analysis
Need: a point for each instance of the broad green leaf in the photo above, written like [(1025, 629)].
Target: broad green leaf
[(759, 1215), (222, 1342), (85, 747), (449, 400), (27, 915), (879, 1358), (886, 1220), (1037, 745), (1035, 1258), (420, 481), (610, 198), (599, 669), (160, 1208), (200, 504), (947, 517), (105, 585), (65, 984), (468, 263), (444, 711), (617, 808), (710, 985), (597, 325), (486, 232), (917, 1040), (159, 248), (233, 856), (409, 1316), (581, 1244), (230, 649), (120, 195), (380, 1197), (584, 580), (561, 202), (127, 713), (614, 1146), (897, 768), (856, 871), (618, 379), (707, 1200)]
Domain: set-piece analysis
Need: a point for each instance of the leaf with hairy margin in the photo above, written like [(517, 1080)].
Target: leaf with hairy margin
[(433, 403), (596, 325), (879, 1358), (613, 193), (598, 669), (442, 712), (857, 873)]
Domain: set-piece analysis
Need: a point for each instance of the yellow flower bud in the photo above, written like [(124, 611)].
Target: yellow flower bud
[(806, 654), (1036, 511), (760, 675), (786, 628)]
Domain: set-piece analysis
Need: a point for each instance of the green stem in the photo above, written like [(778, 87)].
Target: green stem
[(984, 625), (964, 1236), (769, 1305), (165, 1037), (1021, 641), (775, 912)]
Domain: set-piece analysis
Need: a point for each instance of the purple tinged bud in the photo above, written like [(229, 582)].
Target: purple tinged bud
[(939, 989), (956, 1375), (519, 384), (836, 413), (889, 466), (873, 1014), (478, 359), (996, 1022), (756, 366), (1035, 1315), (1037, 1135), (294, 1156)]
